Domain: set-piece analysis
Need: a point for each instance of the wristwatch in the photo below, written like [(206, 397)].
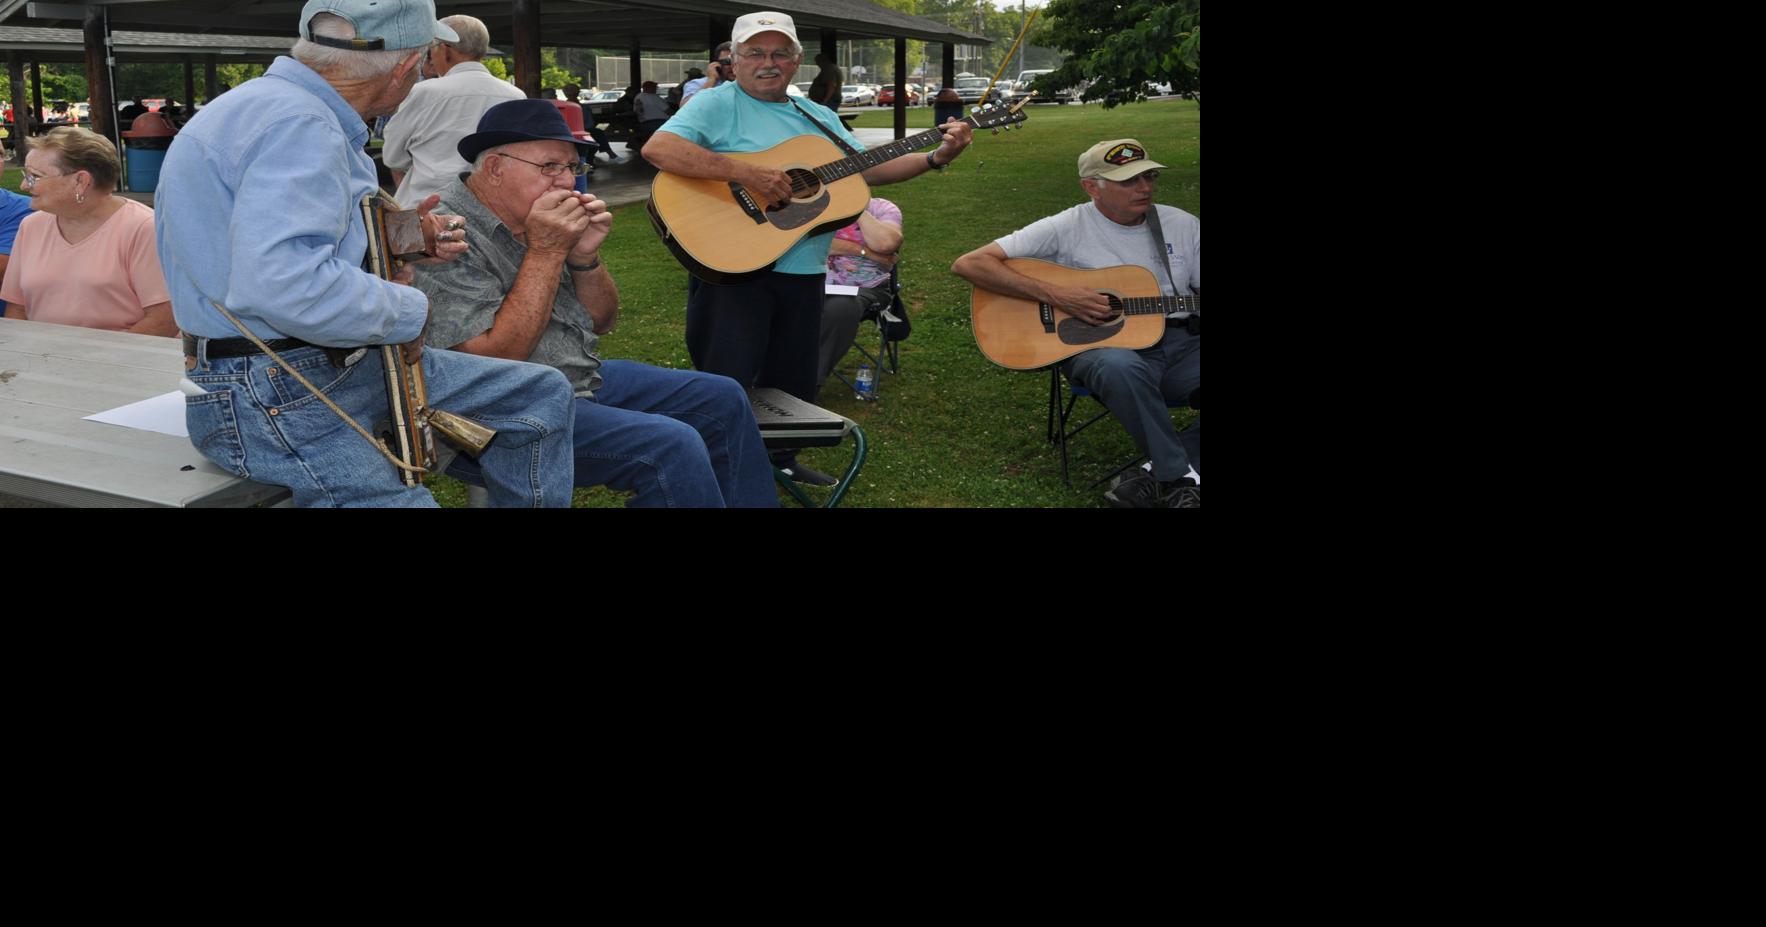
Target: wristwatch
[(935, 165)]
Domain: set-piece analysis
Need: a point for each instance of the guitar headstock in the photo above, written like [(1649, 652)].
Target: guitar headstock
[(996, 117)]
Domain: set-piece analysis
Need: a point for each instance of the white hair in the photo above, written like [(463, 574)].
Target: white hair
[(345, 63), (478, 162), (475, 38)]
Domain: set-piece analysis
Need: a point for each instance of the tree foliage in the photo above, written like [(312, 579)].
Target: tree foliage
[(1121, 46)]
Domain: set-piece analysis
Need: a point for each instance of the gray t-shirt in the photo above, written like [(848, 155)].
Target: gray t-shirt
[(1086, 239), (465, 294)]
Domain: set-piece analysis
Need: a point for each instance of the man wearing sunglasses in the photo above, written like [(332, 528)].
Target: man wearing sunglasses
[(1137, 386), (534, 288)]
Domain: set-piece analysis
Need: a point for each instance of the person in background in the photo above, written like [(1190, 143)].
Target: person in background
[(718, 70), (652, 110), (421, 137), (825, 89), (863, 255), (126, 116), (86, 257), (603, 144), (13, 210)]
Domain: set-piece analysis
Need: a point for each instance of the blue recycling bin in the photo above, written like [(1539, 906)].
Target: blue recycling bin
[(144, 165), (146, 142)]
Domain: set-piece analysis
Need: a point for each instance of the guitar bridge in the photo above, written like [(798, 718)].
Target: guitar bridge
[(1048, 317), (747, 203)]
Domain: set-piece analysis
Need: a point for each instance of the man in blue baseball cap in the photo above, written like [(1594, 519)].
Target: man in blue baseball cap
[(259, 210), (534, 288)]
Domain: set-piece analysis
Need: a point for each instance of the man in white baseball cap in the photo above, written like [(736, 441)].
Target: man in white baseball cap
[(765, 331), (1137, 386)]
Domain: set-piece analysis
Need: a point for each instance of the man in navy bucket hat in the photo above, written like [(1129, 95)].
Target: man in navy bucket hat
[(534, 288)]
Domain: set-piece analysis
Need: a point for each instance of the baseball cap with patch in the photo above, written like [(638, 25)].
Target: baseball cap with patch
[(1116, 159), (755, 23), (392, 25)]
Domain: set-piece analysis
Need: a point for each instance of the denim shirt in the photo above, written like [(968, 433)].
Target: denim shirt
[(259, 209)]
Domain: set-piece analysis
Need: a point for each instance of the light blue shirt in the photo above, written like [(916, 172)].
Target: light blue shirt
[(726, 119), (259, 209)]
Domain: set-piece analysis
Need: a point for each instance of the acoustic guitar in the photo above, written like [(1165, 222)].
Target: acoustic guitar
[(723, 234), (1024, 334)]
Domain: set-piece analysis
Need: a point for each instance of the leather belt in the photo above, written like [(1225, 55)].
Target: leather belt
[(239, 347)]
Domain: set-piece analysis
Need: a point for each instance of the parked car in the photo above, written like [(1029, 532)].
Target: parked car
[(970, 90), (857, 95), (604, 104), (887, 96)]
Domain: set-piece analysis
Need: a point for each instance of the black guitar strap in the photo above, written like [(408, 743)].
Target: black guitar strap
[(850, 152)]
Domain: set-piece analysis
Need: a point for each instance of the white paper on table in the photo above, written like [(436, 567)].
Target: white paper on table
[(164, 414), (835, 289)]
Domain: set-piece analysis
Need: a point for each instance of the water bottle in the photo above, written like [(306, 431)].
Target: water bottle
[(867, 384)]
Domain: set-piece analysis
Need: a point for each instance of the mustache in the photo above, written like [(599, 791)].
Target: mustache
[(769, 72)]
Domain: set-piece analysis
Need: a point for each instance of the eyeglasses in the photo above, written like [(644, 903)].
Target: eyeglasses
[(551, 168), (778, 57), (31, 178)]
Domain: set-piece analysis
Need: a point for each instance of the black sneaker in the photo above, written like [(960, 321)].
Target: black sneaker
[(1138, 491), (1141, 491)]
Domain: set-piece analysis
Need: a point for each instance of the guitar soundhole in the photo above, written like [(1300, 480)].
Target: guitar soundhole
[(1073, 331), (803, 183), (808, 199)]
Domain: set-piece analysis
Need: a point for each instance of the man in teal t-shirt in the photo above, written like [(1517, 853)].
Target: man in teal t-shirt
[(764, 331)]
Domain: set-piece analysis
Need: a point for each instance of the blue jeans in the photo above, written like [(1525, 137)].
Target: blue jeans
[(674, 438), (1139, 386), (257, 422)]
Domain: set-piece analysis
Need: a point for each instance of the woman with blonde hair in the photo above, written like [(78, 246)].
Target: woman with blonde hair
[(86, 256)]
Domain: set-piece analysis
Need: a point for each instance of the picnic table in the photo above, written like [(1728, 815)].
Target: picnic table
[(52, 376)]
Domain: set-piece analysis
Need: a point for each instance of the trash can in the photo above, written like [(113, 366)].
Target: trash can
[(946, 106), (147, 141)]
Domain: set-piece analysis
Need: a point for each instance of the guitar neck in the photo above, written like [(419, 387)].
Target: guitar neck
[(865, 160), (1161, 305)]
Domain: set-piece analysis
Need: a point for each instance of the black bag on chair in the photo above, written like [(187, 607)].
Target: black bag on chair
[(893, 318)]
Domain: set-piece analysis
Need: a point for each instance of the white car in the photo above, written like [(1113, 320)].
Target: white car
[(857, 95)]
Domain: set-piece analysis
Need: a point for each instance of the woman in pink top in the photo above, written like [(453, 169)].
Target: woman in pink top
[(85, 257)]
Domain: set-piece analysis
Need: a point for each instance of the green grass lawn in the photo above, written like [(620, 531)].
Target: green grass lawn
[(952, 429)]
